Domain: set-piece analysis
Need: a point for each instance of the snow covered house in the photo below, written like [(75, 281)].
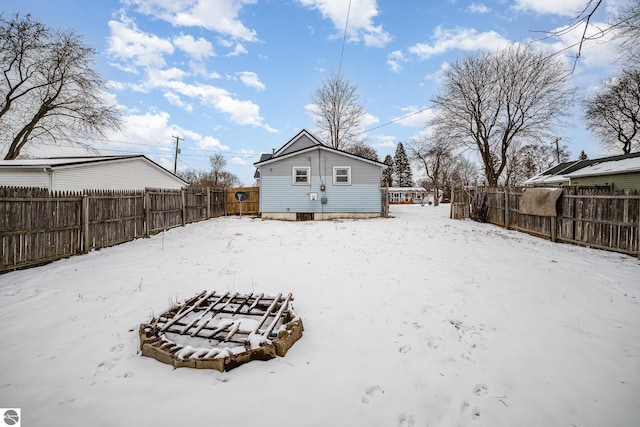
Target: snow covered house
[(308, 180), (618, 172), (135, 172)]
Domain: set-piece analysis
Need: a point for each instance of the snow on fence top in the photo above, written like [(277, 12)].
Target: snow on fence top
[(222, 331)]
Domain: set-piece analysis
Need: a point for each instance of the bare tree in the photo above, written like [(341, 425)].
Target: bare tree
[(435, 156), (216, 177), (494, 100), (338, 112), (627, 24), (48, 89), (613, 113), (362, 149), (464, 172)]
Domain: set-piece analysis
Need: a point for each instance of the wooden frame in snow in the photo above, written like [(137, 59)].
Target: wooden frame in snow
[(222, 331)]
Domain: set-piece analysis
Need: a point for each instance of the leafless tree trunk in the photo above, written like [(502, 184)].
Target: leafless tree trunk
[(435, 156), (49, 91), (613, 114), (338, 112), (494, 100)]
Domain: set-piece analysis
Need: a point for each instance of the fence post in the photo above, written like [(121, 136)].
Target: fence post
[(86, 239), (506, 208), (452, 201), (554, 231), (147, 203), (184, 207), (208, 190)]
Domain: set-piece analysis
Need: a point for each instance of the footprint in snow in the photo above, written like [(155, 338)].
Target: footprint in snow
[(371, 392), (404, 349), (405, 420)]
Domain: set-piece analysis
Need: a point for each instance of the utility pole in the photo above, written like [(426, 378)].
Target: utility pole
[(558, 149), (175, 161)]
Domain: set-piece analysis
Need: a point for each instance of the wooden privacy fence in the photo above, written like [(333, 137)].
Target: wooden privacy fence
[(37, 226), (249, 206), (593, 217)]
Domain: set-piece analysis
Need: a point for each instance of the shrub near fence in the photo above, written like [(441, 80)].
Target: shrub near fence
[(37, 226), (594, 217)]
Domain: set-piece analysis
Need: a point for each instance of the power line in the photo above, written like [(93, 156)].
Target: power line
[(394, 121), (344, 38)]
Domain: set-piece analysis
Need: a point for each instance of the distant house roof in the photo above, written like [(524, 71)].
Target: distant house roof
[(89, 172), (628, 164), (563, 172)]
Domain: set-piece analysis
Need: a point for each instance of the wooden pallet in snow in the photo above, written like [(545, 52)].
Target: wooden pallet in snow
[(222, 330)]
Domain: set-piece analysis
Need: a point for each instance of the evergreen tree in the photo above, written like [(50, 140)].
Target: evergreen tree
[(402, 167), (387, 174), (583, 156)]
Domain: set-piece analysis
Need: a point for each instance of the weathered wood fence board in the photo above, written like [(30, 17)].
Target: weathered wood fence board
[(37, 227), (249, 206), (594, 217)]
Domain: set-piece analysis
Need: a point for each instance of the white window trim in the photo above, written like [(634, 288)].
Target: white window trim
[(335, 176), (293, 175)]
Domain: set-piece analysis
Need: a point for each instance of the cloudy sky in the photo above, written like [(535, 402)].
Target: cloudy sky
[(236, 76)]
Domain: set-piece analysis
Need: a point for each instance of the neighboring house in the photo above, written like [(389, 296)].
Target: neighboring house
[(404, 195), (618, 172), (306, 179), (134, 172)]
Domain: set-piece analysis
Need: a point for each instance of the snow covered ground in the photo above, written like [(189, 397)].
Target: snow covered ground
[(412, 320)]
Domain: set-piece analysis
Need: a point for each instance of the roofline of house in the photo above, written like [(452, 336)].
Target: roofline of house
[(319, 147), (83, 161)]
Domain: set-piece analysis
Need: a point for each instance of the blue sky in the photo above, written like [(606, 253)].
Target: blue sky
[(237, 76)]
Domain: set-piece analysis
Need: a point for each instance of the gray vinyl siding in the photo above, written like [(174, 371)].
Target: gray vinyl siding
[(300, 144), (278, 194)]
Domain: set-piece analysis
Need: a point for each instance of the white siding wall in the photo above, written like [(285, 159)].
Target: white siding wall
[(127, 174), (24, 178), (130, 174)]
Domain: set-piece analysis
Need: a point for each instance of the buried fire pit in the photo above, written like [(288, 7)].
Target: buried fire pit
[(222, 331)]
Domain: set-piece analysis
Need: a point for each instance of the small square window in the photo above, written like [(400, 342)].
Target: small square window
[(301, 175), (342, 175)]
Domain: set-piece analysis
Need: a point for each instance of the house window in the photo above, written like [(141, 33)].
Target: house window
[(301, 175), (342, 175)]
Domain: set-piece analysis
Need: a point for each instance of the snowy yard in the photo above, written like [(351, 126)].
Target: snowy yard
[(412, 320)]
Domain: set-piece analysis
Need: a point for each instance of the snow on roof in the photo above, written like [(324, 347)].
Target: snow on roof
[(628, 165)]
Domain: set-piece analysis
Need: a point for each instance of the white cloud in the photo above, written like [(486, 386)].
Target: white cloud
[(199, 49), (438, 75), (600, 52), (395, 60), (221, 16), (251, 79), (136, 48), (210, 143), (174, 99), (414, 116), (467, 39), (477, 8), (361, 26), (571, 8)]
